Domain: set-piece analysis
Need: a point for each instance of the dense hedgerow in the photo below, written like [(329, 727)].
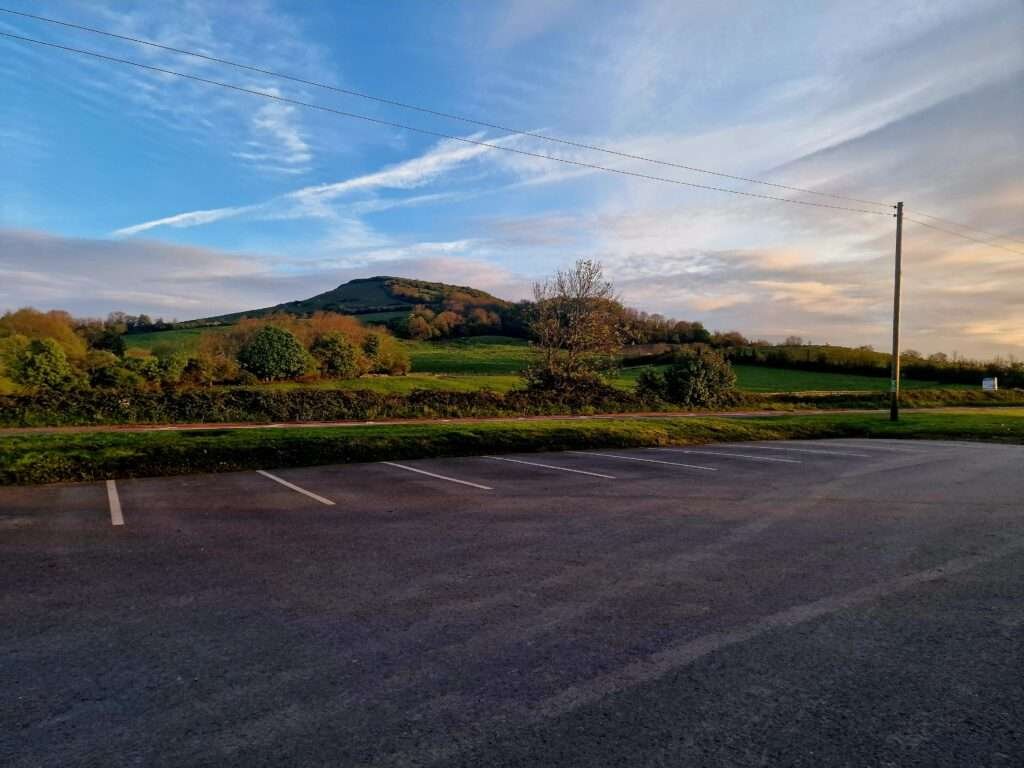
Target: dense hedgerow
[(219, 405), (260, 405)]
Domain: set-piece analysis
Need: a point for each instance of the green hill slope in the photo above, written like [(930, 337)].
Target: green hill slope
[(369, 295)]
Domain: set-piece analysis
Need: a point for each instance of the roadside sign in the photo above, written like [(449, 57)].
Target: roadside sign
[(990, 384)]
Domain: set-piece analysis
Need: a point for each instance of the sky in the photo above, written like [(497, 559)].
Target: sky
[(126, 189)]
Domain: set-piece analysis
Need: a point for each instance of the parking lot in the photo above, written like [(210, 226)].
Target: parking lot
[(827, 603)]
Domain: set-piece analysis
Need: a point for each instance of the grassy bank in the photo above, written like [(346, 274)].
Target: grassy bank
[(38, 458)]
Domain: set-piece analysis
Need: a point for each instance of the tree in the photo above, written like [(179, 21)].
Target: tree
[(371, 345), (56, 325), (41, 364), (391, 358), (576, 327), (336, 356), (419, 328), (697, 379), (111, 341), (794, 341), (274, 353)]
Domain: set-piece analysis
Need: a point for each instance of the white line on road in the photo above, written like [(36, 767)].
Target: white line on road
[(864, 446), (551, 466), (294, 487), (439, 477), (116, 518), (649, 461), (803, 450), (731, 455)]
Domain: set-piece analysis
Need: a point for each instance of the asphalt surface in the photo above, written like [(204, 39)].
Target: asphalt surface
[(831, 603)]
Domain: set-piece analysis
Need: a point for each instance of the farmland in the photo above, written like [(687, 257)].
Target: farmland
[(494, 362)]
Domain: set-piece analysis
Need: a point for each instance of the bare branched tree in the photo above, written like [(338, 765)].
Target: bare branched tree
[(576, 326)]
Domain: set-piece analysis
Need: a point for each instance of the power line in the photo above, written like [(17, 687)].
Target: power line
[(966, 237), (993, 235), (437, 113), (438, 134)]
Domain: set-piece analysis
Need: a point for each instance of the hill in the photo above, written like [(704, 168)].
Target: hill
[(370, 295)]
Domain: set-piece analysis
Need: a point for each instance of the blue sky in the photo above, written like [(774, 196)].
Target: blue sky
[(126, 189)]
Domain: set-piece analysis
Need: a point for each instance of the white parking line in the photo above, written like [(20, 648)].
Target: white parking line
[(731, 455), (116, 518), (649, 461), (294, 487), (803, 450), (551, 466), (864, 446), (439, 477)]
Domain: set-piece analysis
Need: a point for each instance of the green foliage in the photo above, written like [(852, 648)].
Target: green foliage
[(371, 345), (697, 379), (42, 364), (274, 353), (336, 356), (111, 341), (146, 368), (391, 358)]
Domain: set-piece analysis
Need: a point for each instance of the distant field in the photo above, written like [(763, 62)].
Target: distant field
[(754, 378), (186, 339), (495, 361), (381, 318), (478, 354)]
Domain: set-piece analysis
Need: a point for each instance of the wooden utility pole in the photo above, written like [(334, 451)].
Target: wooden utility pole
[(894, 386)]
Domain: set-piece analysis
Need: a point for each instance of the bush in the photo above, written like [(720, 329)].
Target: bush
[(111, 341), (41, 365), (336, 356), (697, 379), (391, 358), (274, 353)]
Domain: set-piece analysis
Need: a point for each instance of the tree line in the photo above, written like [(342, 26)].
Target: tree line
[(55, 351)]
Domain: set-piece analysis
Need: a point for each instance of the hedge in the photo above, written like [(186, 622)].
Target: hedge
[(260, 405)]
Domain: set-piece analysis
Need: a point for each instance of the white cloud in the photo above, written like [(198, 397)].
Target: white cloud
[(315, 201)]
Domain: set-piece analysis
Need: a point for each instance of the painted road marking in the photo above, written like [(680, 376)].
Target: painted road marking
[(731, 455), (296, 488), (864, 446), (650, 461), (439, 477), (116, 518), (551, 466), (804, 450)]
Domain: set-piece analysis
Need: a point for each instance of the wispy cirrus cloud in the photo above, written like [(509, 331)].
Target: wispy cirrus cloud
[(317, 201)]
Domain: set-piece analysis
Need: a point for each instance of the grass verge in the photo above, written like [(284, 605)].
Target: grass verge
[(40, 458)]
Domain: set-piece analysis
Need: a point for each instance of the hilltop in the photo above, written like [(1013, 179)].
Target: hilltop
[(371, 295)]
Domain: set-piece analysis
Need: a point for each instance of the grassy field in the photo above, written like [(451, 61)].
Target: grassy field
[(493, 362), (36, 458), (478, 354), (755, 378), (185, 339)]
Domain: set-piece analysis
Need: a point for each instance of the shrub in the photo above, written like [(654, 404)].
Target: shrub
[(391, 358), (336, 356), (698, 379), (274, 353), (371, 345), (41, 364), (172, 367), (146, 367), (111, 341)]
